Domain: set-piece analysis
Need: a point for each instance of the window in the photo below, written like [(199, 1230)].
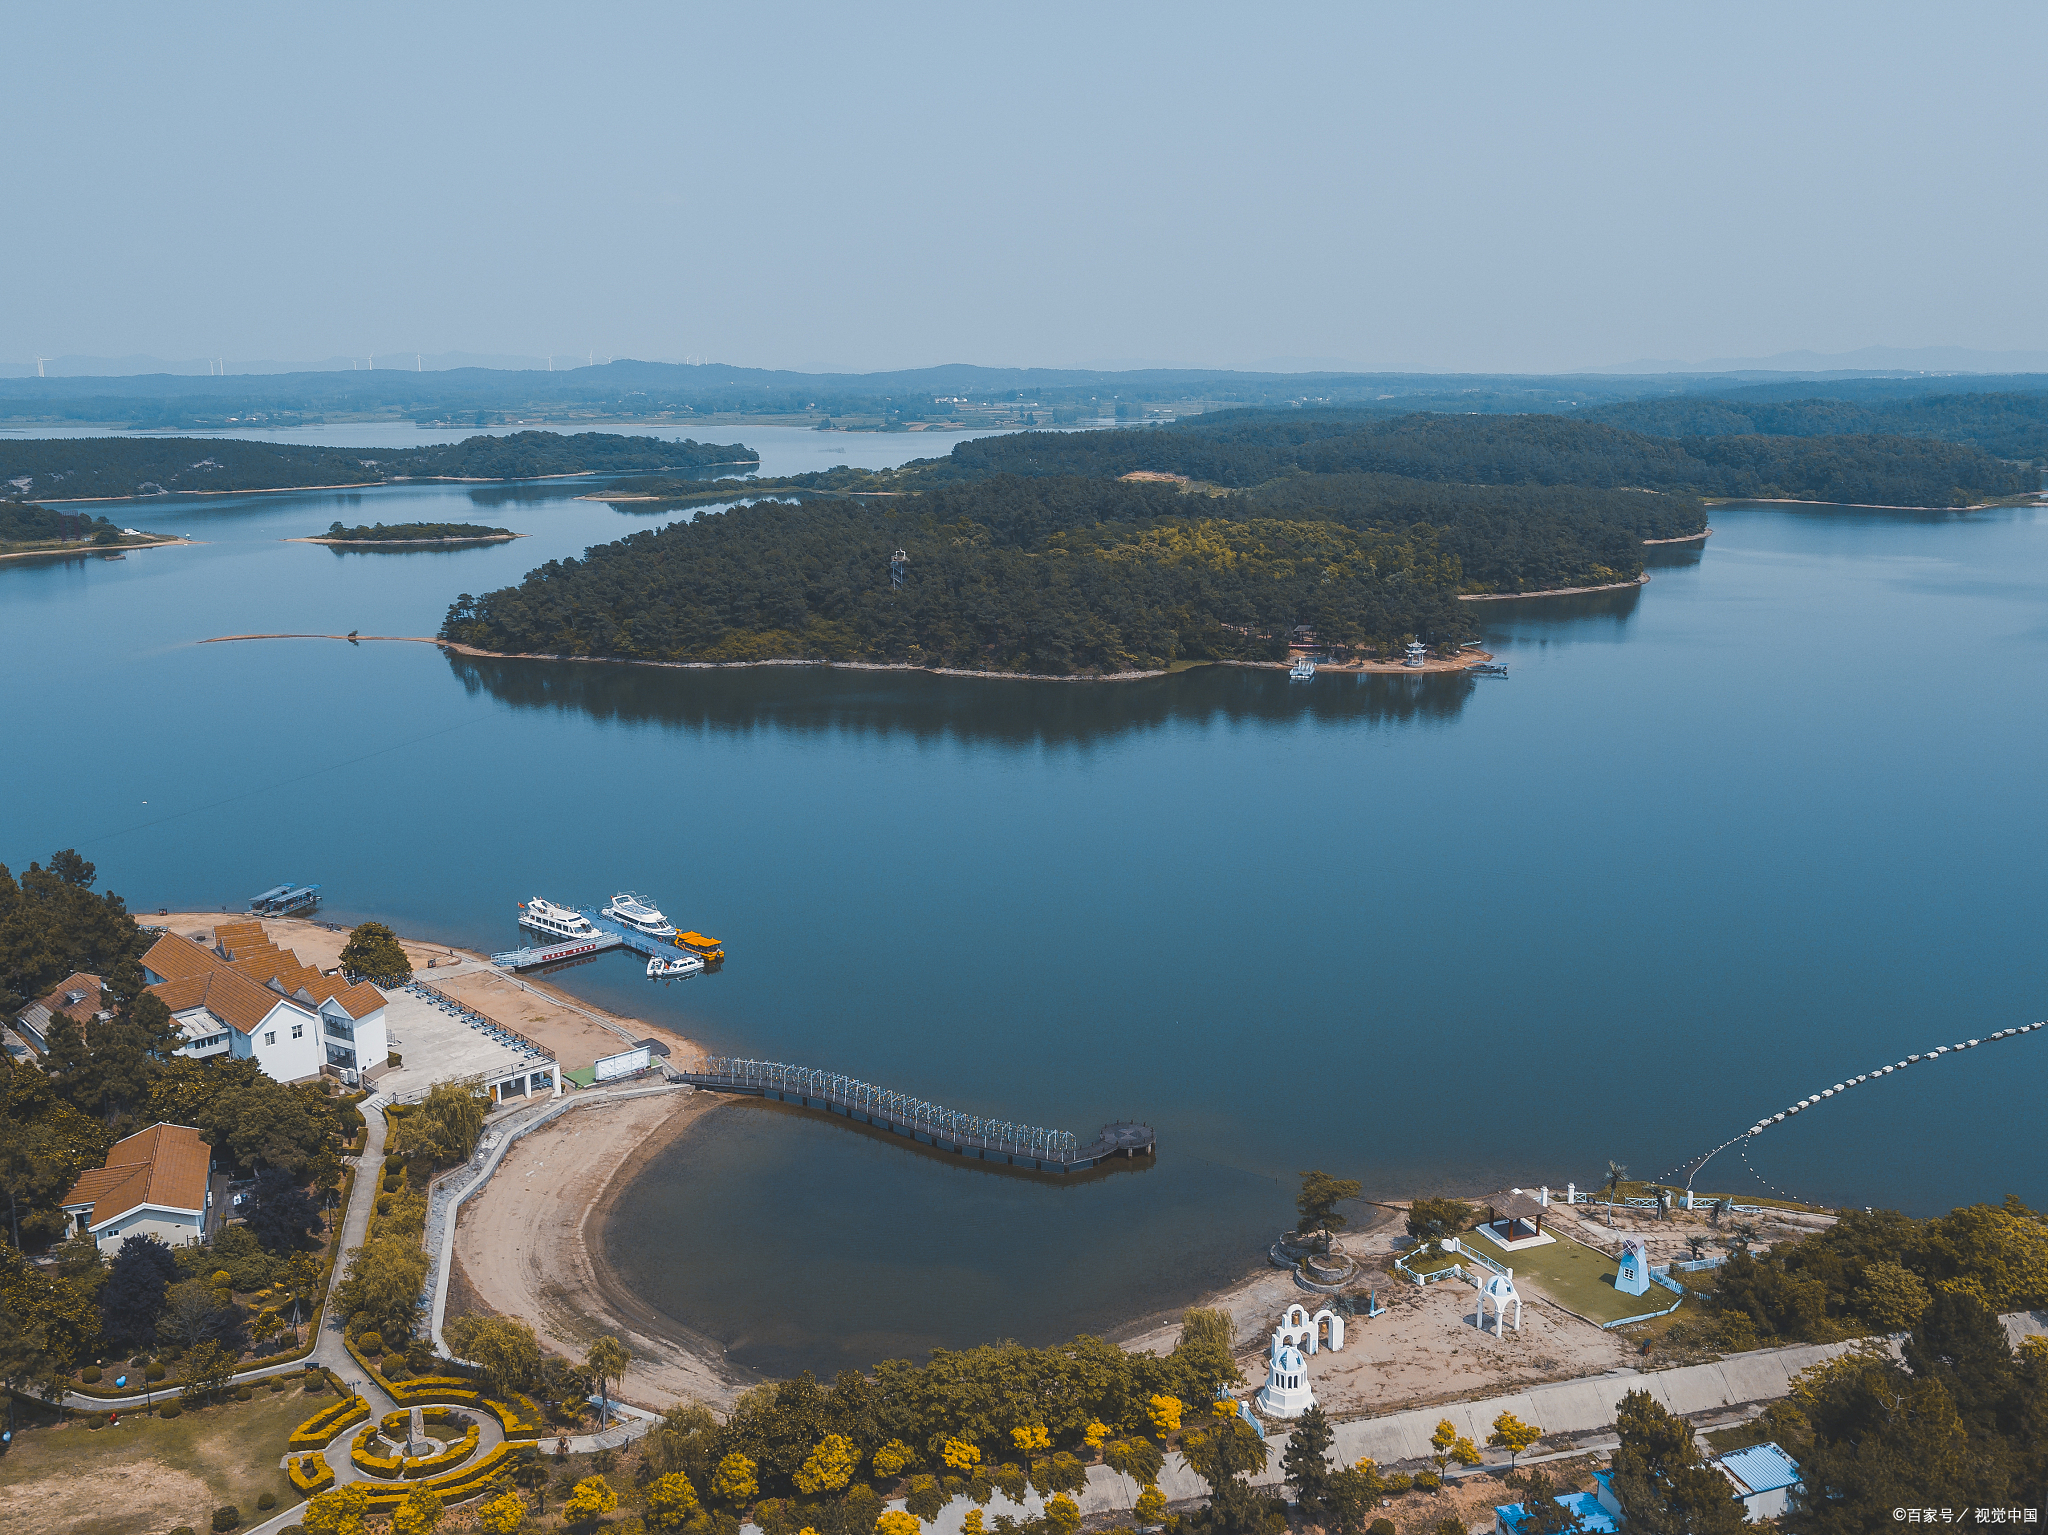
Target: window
[(270, 1038), (298, 1031)]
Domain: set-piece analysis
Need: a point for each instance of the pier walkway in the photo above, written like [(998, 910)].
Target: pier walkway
[(610, 935), (968, 1135)]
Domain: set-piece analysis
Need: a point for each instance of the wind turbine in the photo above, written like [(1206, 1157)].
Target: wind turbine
[(40, 360)]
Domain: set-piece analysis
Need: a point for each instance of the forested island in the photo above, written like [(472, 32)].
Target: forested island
[(1039, 553), (108, 468), (413, 533)]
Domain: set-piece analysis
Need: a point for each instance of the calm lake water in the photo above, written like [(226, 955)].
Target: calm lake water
[(1715, 844)]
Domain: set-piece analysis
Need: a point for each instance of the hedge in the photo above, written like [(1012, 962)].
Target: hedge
[(364, 1460), (311, 1473), (520, 1416), (448, 1459), (318, 1431)]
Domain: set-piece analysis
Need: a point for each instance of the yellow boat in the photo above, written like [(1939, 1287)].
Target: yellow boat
[(697, 943)]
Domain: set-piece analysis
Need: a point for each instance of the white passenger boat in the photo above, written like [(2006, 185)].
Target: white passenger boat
[(662, 968), (641, 915), (557, 922), (1302, 670)]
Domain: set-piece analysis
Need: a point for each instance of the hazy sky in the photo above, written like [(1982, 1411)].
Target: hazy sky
[(834, 186)]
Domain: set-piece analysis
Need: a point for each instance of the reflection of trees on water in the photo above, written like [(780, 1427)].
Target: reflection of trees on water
[(820, 699), (526, 492)]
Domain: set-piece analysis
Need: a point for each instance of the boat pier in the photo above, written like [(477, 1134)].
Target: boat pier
[(1026, 1147), (610, 935)]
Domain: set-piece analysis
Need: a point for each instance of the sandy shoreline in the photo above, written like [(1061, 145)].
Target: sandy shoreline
[(1687, 538), (1388, 668), (1565, 591), (408, 479), (102, 550)]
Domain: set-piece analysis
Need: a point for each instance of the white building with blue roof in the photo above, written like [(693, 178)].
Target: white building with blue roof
[(1764, 1477)]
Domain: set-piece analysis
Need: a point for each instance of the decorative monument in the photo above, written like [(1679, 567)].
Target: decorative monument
[(1286, 1393), (416, 1440), (1633, 1277), (1499, 1292), (1308, 1333)]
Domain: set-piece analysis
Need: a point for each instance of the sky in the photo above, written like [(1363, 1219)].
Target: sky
[(830, 187)]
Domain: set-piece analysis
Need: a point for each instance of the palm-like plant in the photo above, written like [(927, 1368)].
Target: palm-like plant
[(606, 1362), (1616, 1171)]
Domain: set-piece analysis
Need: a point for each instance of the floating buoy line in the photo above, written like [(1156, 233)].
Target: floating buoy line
[(1690, 1170)]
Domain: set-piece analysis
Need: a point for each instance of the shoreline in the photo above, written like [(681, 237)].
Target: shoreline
[(1566, 591), (1390, 668), (421, 479), (102, 550), (1689, 538), (404, 543)]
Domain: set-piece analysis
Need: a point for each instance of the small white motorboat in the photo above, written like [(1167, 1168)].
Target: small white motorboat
[(662, 968), (1302, 670)]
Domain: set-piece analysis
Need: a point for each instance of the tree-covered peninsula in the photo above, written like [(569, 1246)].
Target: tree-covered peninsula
[(93, 468)]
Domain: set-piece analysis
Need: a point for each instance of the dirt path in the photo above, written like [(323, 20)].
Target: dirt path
[(525, 1247)]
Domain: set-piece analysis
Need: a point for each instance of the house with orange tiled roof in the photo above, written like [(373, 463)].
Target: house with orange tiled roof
[(77, 997), (158, 1182), (243, 996)]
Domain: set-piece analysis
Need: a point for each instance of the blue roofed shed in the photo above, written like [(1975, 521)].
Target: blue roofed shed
[(1764, 1477), (1583, 1506)]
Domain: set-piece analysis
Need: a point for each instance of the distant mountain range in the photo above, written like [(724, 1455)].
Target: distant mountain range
[(1869, 359), (403, 362)]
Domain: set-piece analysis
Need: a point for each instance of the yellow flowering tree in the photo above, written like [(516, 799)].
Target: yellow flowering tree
[(339, 1511), (733, 1480), (1150, 1507), (971, 1524), (962, 1454), (1095, 1435), (895, 1455), (1164, 1411), (830, 1467), (502, 1514), (418, 1514), (896, 1522), (589, 1500), (1032, 1436), (1447, 1445), (671, 1500), (1064, 1515)]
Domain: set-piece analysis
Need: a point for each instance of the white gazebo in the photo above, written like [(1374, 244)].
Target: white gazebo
[(1499, 1290), (1286, 1393)]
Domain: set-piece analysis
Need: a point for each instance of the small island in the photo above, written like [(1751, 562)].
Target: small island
[(378, 535)]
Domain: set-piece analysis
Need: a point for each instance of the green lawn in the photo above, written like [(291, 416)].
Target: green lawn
[(1575, 1276), (143, 1475)]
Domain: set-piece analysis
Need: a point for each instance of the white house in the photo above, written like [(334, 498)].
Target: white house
[(158, 1182), (247, 998)]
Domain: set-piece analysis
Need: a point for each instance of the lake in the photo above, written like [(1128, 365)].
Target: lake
[(1715, 844)]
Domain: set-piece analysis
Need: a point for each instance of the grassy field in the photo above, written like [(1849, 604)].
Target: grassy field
[(1575, 1276), (143, 1476)]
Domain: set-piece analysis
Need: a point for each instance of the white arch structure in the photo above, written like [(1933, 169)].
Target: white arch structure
[(1499, 1289), (1310, 1334)]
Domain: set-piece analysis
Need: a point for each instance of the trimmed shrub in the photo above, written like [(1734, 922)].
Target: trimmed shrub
[(225, 1518), (97, 1420), (393, 1164), (183, 1529), (398, 1369), (384, 1204), (266, 1500), (90, 1375), (222, 1280), (153, 1372), (371, 1344), (243, 1393), (393, 1184), (169, 1410), (276, 1384)]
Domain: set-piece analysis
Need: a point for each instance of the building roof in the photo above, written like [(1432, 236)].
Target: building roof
[(230, 996), (87, 990), (1583, 1505), (165, 1165), (1761, 1468), (1515, 1206), (242, 986)]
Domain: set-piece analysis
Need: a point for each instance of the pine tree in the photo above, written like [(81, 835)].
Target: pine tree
[(1306, 1461)]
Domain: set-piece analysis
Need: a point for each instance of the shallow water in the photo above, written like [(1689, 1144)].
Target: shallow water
[(1715, 844)]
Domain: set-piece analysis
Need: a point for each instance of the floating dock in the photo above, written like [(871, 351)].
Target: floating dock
[(611, 935), (928, 1124)]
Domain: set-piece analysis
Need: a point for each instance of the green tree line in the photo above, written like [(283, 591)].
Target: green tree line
[(1240, 449), (79, 468), (400, 532), (2008, 424)]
